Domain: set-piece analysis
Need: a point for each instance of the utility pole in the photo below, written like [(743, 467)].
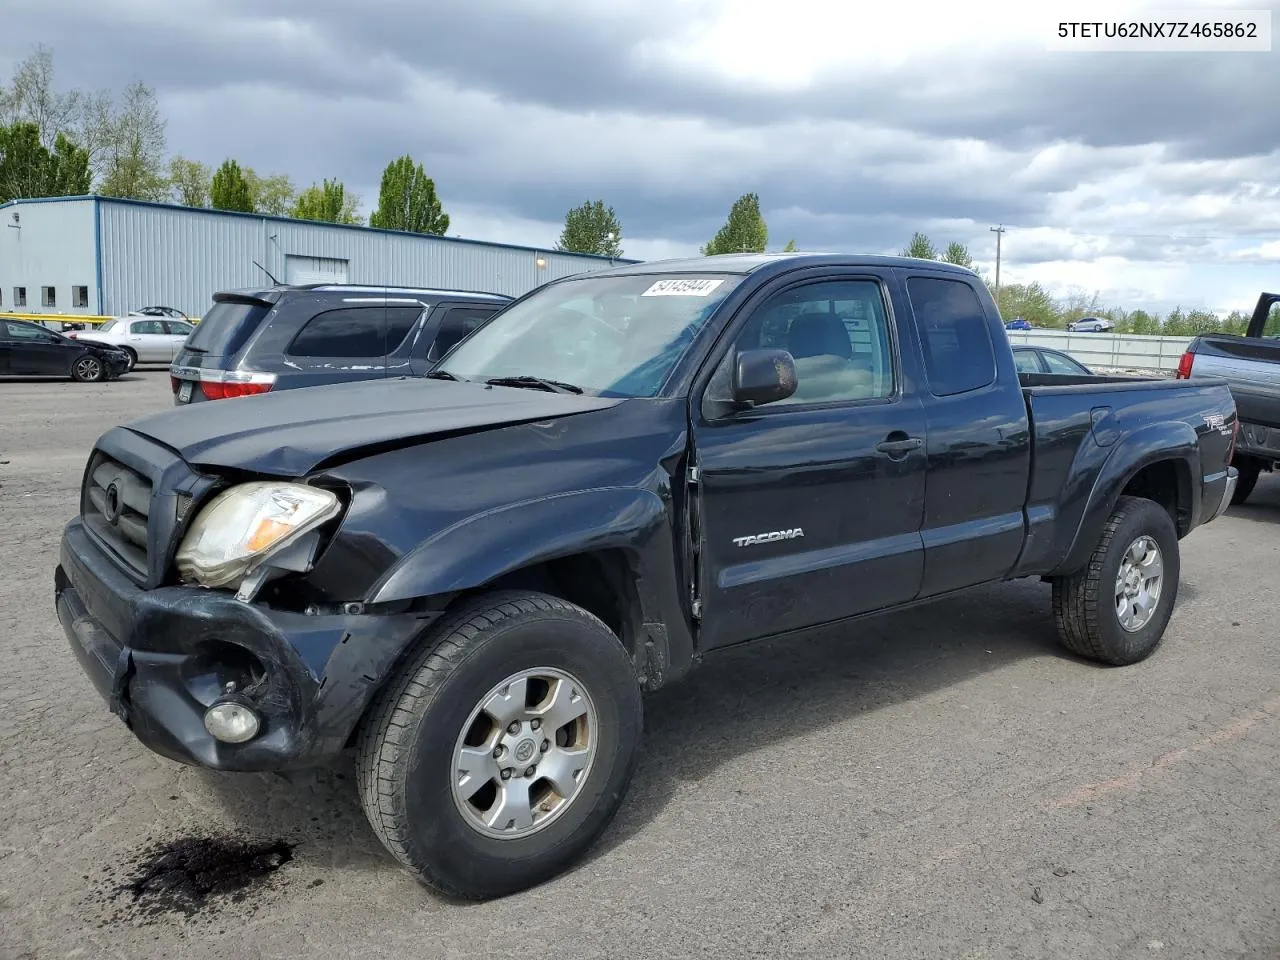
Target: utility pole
[(999, 232)]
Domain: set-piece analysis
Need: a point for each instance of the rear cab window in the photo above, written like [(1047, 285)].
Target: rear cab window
[(959, 356), (227, 326)]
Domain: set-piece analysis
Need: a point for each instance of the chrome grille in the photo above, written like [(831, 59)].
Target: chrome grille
[(117, 505)]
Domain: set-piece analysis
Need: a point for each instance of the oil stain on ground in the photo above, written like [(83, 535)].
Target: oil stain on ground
[(191, 877)]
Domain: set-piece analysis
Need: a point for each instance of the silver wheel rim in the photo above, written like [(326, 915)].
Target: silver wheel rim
[(88, 368), (524, 753), (1139, 583)]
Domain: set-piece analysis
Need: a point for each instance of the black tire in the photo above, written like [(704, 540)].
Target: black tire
[(1250, 469), (1084, 604), (88, 368), (405, 750), (133, 359)]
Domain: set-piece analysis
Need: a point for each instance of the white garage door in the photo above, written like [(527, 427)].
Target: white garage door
[(314, 270)]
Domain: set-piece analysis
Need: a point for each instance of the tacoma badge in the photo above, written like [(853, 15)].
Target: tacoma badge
[(751, 541)]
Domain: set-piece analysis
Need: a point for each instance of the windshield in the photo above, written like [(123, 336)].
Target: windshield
[(612, 336), (108, 325)]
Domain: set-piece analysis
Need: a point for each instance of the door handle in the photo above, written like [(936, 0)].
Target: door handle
[(899, 444)]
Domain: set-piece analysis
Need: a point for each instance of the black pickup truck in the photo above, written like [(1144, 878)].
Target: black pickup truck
[(1250, 366), (471, 577)]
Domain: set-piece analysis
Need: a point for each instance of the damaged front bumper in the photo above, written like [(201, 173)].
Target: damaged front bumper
[(161, 658)]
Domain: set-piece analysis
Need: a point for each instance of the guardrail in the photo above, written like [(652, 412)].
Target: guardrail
[(1115, 351), (56, 317), (94, 319)]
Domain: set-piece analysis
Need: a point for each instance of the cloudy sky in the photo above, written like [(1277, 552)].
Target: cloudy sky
[(1152, 178)]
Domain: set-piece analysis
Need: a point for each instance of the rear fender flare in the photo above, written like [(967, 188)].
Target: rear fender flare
[(1165, 441)]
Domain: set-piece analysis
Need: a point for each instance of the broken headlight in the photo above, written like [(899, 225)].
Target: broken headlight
[(251, 528)]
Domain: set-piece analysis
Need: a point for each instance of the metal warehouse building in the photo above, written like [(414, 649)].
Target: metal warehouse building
[(98, 255)]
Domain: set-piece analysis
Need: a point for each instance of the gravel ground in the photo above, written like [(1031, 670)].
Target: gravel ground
[(942, 783)]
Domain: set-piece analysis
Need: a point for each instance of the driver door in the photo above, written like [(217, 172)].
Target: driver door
[(810, 509)]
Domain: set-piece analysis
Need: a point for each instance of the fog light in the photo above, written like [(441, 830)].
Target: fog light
[(231, 722)]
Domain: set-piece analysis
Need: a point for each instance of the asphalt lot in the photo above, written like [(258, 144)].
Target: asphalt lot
[(942, 783)]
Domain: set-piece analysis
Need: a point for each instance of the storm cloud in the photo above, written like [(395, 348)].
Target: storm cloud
[(1111, 163)]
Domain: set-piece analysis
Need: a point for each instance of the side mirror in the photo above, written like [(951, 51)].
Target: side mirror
[(763, 376)]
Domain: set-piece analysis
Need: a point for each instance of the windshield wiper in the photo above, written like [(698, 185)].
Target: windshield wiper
[(539, 383), (444, 375)]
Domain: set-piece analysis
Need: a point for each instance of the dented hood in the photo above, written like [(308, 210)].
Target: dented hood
[(292, 432)]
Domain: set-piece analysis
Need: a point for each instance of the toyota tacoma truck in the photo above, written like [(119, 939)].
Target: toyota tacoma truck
[(470, 578), (1250, 366)]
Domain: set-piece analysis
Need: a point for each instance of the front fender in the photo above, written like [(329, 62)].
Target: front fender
[(482, 548), (1158, 442)]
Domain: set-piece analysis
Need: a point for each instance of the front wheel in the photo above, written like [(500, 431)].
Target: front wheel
[(88, 369), (501, 751), (133, 359), (1116, 609)]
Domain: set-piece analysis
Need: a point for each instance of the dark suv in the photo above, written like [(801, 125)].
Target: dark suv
[(287, 336)]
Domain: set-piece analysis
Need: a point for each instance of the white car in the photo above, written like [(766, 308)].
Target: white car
[(1091, 325), (148, 339)]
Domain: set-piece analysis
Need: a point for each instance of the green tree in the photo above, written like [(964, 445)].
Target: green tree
[(958, 254), (229, 190), (328, 202), (1030, 301), (274, 194), (1143, 323), (743, 232), (190, 182), (591, 228), (920, 247), (790, 247), (133, 158), (407, 200), (70, 175), (1175, 324), (27, 169), (1235, 322)]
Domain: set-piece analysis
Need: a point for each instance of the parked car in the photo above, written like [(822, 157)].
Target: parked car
[(146, 339), (172, 313), (1091, 325), (1018, 323), (1030, 359), (288, 336), (471, 576), (31, 349), (1250, 365)]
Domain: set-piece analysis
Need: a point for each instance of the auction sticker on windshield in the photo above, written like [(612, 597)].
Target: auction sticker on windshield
[(689, 287)]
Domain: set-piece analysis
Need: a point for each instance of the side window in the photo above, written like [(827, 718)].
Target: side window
[(19, 296), (1025, 361), (48, 297), (178, 328), (1060, 364), (958, 353), (400, 321), (147, 326), (26, 331), (458, 322), (345, 332), (837, 331)]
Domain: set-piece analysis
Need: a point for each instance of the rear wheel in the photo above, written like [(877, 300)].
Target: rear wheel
[(1116, 609), (1250, 469), (499, 753), (88, 369)]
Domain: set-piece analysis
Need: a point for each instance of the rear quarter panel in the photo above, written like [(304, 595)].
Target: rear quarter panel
[(1091, 440)]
